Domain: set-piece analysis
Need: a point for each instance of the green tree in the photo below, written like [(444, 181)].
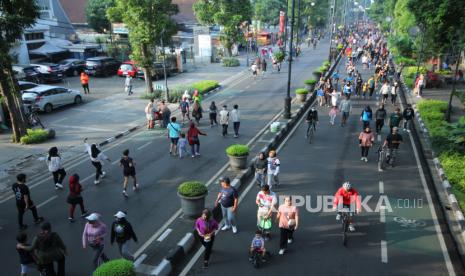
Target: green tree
[(15, 16), (267, 11), (317, 15), (148, 22), (96, 14), (229, 14)]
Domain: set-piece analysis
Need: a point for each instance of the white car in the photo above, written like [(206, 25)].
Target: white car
[(47, 97)]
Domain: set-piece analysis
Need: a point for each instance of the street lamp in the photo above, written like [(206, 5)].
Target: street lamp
[(287, 99), (166, 96)]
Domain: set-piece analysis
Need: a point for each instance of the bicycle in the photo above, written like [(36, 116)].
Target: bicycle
[(345, 215), (33, 118), (310, 131)]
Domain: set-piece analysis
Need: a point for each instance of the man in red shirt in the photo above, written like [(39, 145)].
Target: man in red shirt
[(345, 198)]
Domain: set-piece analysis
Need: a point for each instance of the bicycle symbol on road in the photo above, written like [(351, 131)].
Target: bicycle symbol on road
[(409, 223)]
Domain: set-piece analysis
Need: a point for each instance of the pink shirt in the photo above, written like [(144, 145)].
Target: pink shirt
[(287, 212)]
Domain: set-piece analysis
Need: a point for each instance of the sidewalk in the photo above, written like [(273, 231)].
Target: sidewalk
[(97, 120)]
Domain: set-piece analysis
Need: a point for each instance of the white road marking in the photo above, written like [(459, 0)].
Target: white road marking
[(384, 255), (442, 243), (59, 120), (144, 145), (115, 162), (84, 128), (47, 201), (164, 235), (382, 214), (381, 187)]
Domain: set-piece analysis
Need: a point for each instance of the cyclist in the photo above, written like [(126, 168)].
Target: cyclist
[(346, 197), (257, 245), (312, 119), (392, 142)]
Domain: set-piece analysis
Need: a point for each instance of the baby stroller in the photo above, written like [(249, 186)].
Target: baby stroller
[(265, 227)]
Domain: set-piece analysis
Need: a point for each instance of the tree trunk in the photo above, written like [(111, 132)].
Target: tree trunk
[(147, 70), (9, 91)]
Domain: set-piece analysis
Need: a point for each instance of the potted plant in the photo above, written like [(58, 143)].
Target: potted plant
[(301, 94), (192, 194), (120, 267), (238, 156), (310, 84), (279, 56), (326, 63), (323, 70)]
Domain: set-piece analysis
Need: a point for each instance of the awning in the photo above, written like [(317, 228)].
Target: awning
[(47, 49)]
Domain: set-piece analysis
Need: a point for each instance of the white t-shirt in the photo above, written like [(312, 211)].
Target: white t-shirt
[(266, 202), (235, 115)]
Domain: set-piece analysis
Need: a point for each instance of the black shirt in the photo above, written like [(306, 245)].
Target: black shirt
[(20, 190), (228, 195), (25, 257), (394, 140), (408, 113), (127, 164), (312, 116)]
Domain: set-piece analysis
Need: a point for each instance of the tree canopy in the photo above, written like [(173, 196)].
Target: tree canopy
[(96, 14), (267, 11)]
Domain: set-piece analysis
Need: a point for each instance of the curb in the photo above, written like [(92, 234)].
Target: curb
[(176, 255)]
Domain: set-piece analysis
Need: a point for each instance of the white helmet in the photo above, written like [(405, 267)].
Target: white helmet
[(347, 185)]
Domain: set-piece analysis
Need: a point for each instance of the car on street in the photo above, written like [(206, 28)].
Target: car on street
[(47, 97), (128, 68), (27, 73), (102, 66), (72, 66), (25, 85), (50, 72)]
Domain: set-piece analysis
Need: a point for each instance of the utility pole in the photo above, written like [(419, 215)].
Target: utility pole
[(287, 100)]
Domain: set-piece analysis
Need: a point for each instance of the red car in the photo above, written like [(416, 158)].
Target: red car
[(128, 68)]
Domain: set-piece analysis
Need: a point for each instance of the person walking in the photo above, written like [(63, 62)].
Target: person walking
[(48, 248), (380, 116), (385, 90), (263, 65), (266, 201), (335, 97), (212, 110), (24, 201), (165, 113), (129, 170), (260, 166), (366, 116), (288, 220), (224, 120), (395, 118), (346, 107), (206, 227), (193, 139), (174, 130), (122, 232), (149, 114), (236, 118), (408, 116), (371, 85), (228, 198), (332, 114), (97, 158), (54, 165), (93, 236), (184, 107), (254, 69), (182, 145), (26, 258), (128, 85), (74, 197), (197, 97), (394, 92), (85, 82), (365, 141), (197, 111), (272, 169)]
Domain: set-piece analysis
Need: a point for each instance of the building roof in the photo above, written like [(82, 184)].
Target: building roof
[(76, 10)]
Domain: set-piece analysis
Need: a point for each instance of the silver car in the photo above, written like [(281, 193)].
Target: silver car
[(47, 97)]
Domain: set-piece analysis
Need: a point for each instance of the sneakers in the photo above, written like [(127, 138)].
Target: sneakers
[(289, 240), (362, 158), (58, 186), (84, 214), (135, 188), (234, 229), (71, 220), (103, 174), (197, 154), (96, 182), (281, 251), (366, 159), (39, 220), (351, 228), (224, 228), (125, 194), (193, 156), (338, 216)]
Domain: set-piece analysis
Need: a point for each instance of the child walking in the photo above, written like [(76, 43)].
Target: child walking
[(182, 145), (26, 258), (129, 170), (332, 114)]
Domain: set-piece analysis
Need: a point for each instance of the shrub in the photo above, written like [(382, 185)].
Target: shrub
[(279, 56), (427, 106), (155, 95), (34, 136), (405, 60), (230, 62), (119, 267), (326, 63), (453, 164), (322, 69), (237, 150), (301, 91), (310, 82), (192, 189), (205, 85), (411, 71)]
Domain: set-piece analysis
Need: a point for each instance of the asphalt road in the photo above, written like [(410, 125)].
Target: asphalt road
[(159, 174), (406, 239)]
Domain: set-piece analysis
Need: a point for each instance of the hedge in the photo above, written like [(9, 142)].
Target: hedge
[(237, 150), (192, 189), (35, 136), (205, 85), (230, 62), (119, 267)]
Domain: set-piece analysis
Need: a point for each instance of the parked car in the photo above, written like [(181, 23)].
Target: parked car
[(27, 73), (50, 72), (25, 85), (127, 68), (72, 66), (157, 71), (102, 66), (47, 97)]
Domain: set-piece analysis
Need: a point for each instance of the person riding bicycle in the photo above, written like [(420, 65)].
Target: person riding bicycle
[(346, 197), (393, 140), (312, 118), (257, 245)]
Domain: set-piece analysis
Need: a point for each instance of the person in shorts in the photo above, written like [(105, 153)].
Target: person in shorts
[(182, 145), (129, 170), (174, 129), (26, 258)]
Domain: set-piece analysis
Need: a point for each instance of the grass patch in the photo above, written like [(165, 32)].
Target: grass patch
[(35, 136), (205, 86)]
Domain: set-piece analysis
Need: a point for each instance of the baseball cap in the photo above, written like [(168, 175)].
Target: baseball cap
[(93, 217), (120, 214), (225, 179)]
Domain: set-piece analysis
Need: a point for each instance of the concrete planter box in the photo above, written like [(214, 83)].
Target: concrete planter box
[(301, 97), (192, 207), (310, 87), (317, 75), (238, 162)]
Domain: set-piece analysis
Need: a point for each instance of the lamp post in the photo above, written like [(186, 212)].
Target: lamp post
[(287, 99), (166, 96), (333, 7), (285, 26)]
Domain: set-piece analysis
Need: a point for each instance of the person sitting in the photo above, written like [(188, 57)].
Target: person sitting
[(257, 245)]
